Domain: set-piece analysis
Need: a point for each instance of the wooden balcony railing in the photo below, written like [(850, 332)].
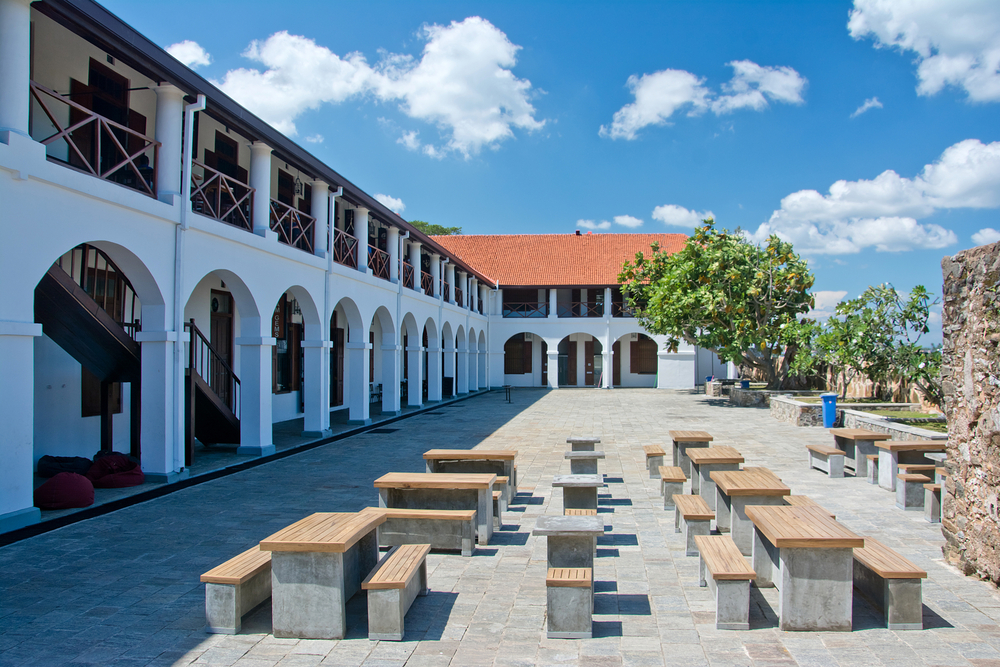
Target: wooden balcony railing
[(580, 309), (97, 145), (345, 248), (293, 227), (529, 309), (408, 275), (102, 280), (378, 262), (619, 309), (459, 297), (221, 197), (206, 361), (427, 283), (445, 290)]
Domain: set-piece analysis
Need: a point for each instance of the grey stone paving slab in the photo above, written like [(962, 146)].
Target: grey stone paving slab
[(123, 589)]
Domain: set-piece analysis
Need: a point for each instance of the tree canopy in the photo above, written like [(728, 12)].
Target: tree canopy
[(725, 294), (431, 229)]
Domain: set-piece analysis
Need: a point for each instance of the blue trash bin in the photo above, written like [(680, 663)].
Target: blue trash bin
[(829, 410), (744, 384)]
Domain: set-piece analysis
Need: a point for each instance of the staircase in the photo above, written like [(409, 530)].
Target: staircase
[(212, 393)]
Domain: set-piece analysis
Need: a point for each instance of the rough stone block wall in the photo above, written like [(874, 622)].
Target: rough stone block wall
[(971, 378)]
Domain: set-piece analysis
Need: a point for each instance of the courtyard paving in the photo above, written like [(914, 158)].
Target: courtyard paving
[(123, 589)]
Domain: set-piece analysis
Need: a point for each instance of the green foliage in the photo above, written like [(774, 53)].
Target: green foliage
[(725, 294), (431, 229)]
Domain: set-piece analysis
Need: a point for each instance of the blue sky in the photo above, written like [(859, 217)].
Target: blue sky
[(521, 117)]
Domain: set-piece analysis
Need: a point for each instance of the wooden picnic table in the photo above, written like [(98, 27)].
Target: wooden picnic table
[(317, 564), (893, 452), (735, 489), (682, 440), (857, 444), (706, 459), (809, 557), (498, 461), (442, 491)]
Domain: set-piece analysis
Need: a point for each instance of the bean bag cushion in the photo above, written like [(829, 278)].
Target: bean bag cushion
[(64, 491), (115, 471), (50, 466)]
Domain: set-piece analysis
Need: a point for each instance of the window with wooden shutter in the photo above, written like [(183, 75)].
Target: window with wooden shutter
[(517, 355), (642, 356)]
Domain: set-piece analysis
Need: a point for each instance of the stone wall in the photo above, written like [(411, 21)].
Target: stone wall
[(787, 409), (971, 378), (747, 398), (863, 420)]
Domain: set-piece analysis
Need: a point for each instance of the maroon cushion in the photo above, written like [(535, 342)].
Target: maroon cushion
[(64, 491), (114, 471)]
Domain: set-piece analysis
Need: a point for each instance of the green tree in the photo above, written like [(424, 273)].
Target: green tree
[(724, 294), (431, 229)]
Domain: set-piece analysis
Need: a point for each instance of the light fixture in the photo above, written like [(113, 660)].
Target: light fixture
[(299, 188)]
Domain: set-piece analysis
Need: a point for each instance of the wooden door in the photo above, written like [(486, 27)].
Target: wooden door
[(545, 364), (336, 364), (571, 363), (221, 337), (588, 363), (616, 364)]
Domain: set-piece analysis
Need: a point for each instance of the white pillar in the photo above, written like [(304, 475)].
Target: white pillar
[(415, 261), (462, 368), (316, 388), (484, 295), (15, 74), (17, 360), (484, 381), (415, 381), (449, 366), (473, 364), (357, 391), (553, 303), (320, 205), (436, 274), (169, 132), (156, 430), (607, 356), (474, 294), (433, 372), (390, 379), (553, 368), (449, 277), (255, 396), (260, 181), (498, 303), (463, 283), (393, 243), (607, 303), (361, 234)]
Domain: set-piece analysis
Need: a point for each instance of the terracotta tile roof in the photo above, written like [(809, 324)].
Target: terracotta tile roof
[(554, 259)]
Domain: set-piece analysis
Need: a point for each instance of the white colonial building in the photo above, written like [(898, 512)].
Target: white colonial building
[(181, 273)]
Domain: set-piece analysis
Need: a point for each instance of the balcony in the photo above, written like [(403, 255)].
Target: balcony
[(94, 144), (525, 309), (580, 309), (459, 297), (408, 275), (345, 248), (294, 228), (619, 309), (378, 262), (427, 283), (221, 197)]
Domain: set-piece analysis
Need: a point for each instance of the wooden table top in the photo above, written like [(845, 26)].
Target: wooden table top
[(435, 480), (793, 527), (470, 454), (859, 434), (690, 436), (756, 482), (913, 445), (704, 455), (328, 532)]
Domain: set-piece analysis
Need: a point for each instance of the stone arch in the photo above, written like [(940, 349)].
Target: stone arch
[(356, 330), (577, 368)]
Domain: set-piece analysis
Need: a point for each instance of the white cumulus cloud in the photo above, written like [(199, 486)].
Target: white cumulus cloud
[(825, 303), (190, 53), (628, 221), (392, 203), (661, 94), (870, 103), (590, 224), (462, 84), (678, 216), (883, 212), (986, 235), (316, 139), (956, 42)]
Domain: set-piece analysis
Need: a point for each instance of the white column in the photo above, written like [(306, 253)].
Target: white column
[(15, 73), (436, 274), (393, 243), (390, 379), (321, 211), (316, 388), (449, 366), (484, 381), (169, 132), (449, 277), (553, 369), (17, 360), (474, 294), (498, 303), (607, 303), (607, 359), (463, 283), (415, 261), (433, 372), (415, 381), (553, 303), (361, 234), (473, 364), (255, 396), (260, 181), (462, 370), (357, 391), (484, 294), (156, 431)]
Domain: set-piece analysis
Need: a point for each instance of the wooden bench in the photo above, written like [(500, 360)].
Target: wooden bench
[(806, 501), (695, 515), (918, 469), (497, 503), (672, 480), (654, 459), (442, 529), (392, 587), (892, 583), (728, 575), (503, 485), (570, 602), (893, 452), (872, 468), (940, 474), (857, 444), (910, 491), (570, 511), (234, 588), (828, 459), (932, 503)]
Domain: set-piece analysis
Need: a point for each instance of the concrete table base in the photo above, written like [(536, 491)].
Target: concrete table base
[(888, 466), (583, 463), (910, 495), (680, 454), (742, 528), (932, 505), (702, 483), (579, 491), (570, 540), (667, 490), (856, 451), (480, 500), (691, 529)]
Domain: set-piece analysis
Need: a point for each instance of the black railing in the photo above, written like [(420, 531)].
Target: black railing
[(222, 197), (408, 275), (427, 283), (580, 309), (378, 262), (522, 309), (104, 282), (206, 361), (293, 227), (619, 309), (345, 248), (459, 297)]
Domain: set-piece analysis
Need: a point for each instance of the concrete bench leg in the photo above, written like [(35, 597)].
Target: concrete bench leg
[(932, 505), (901, 600), (580, 497), (653, 463), (910, 496), (832, 465), (888, 468), (387, 608), (668, 489), (732, 604), (570, 612), (225, 605), (692, 528), (873, 472)]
